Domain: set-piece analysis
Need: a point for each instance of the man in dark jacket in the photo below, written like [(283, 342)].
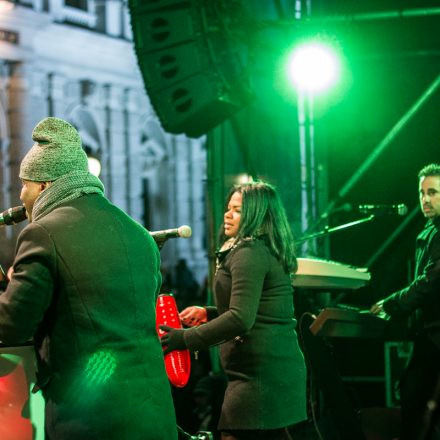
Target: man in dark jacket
[(421, 301), (84, 283)]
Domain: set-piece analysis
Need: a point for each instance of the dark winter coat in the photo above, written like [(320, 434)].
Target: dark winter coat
[(84, 286), (421, 298)]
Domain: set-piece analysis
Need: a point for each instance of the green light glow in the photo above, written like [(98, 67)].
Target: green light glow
[(100, 367), (313, 67)]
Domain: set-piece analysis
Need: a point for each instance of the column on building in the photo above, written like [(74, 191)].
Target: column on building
[(89, 116), (102, 152), (116, 157), (5, 178), (198, 207), (182, 178), (138, 108), (22, 105), (189, 166), (157, 163), (56, 101), (4, 136)]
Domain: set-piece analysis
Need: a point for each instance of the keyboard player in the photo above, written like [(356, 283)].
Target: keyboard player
[(421, 300)]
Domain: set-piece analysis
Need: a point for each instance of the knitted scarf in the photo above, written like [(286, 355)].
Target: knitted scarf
[(68, 187)]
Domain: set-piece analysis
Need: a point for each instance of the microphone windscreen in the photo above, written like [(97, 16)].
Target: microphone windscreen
[(402, 209), (184, 231)]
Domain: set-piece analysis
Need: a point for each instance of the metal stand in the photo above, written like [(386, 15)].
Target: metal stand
[(327, 230)]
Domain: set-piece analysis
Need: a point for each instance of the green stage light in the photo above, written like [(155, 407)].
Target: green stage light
[(313, 67)]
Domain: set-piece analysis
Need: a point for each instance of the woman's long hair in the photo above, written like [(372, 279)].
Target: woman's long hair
[(263, 215)]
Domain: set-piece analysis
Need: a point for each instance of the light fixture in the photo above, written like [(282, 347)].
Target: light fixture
[(313, 67)]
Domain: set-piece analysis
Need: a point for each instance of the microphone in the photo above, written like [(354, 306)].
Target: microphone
[(400, 209), (183, 231), (13, 216)]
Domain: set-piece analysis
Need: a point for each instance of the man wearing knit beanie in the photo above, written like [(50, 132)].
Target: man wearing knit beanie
[(83, 286), (57, 151)]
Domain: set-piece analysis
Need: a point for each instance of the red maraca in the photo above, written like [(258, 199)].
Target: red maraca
[(178, 362)]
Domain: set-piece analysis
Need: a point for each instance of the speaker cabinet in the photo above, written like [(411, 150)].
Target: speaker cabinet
[(193, 69)]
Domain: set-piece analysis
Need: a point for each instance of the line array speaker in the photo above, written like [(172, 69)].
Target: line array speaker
[(193, 67)]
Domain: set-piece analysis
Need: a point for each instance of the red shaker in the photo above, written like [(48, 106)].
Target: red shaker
[(178, 362)]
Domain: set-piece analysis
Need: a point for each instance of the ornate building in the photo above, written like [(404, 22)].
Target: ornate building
[(74, 59)]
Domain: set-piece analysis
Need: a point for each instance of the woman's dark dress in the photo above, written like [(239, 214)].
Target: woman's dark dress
[(260, 353)]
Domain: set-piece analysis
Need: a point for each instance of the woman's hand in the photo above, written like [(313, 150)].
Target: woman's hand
[(172, 339), (193, 316)]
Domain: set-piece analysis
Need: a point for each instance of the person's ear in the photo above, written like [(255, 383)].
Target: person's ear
[(43, 186)]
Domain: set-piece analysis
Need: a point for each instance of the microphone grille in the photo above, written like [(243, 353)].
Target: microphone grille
[(402, 209), (184, 231)]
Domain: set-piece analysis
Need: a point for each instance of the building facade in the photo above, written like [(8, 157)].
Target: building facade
[(75, 60)]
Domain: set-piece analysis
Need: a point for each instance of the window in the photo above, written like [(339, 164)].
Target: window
[(77, 12), (79, 4)]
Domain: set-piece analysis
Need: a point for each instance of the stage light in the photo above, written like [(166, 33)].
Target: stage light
[(313, 67)]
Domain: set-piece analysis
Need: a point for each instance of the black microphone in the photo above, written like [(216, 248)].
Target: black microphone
[(13, 216), (183, 231), (400, 209)]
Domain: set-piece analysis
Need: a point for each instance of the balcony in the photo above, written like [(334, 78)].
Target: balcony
[(69, 14)]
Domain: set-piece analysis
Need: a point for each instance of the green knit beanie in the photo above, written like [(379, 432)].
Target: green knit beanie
[(57, 151)]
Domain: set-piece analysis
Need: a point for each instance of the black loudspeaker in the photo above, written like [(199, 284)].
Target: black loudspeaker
[(192, 65)]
